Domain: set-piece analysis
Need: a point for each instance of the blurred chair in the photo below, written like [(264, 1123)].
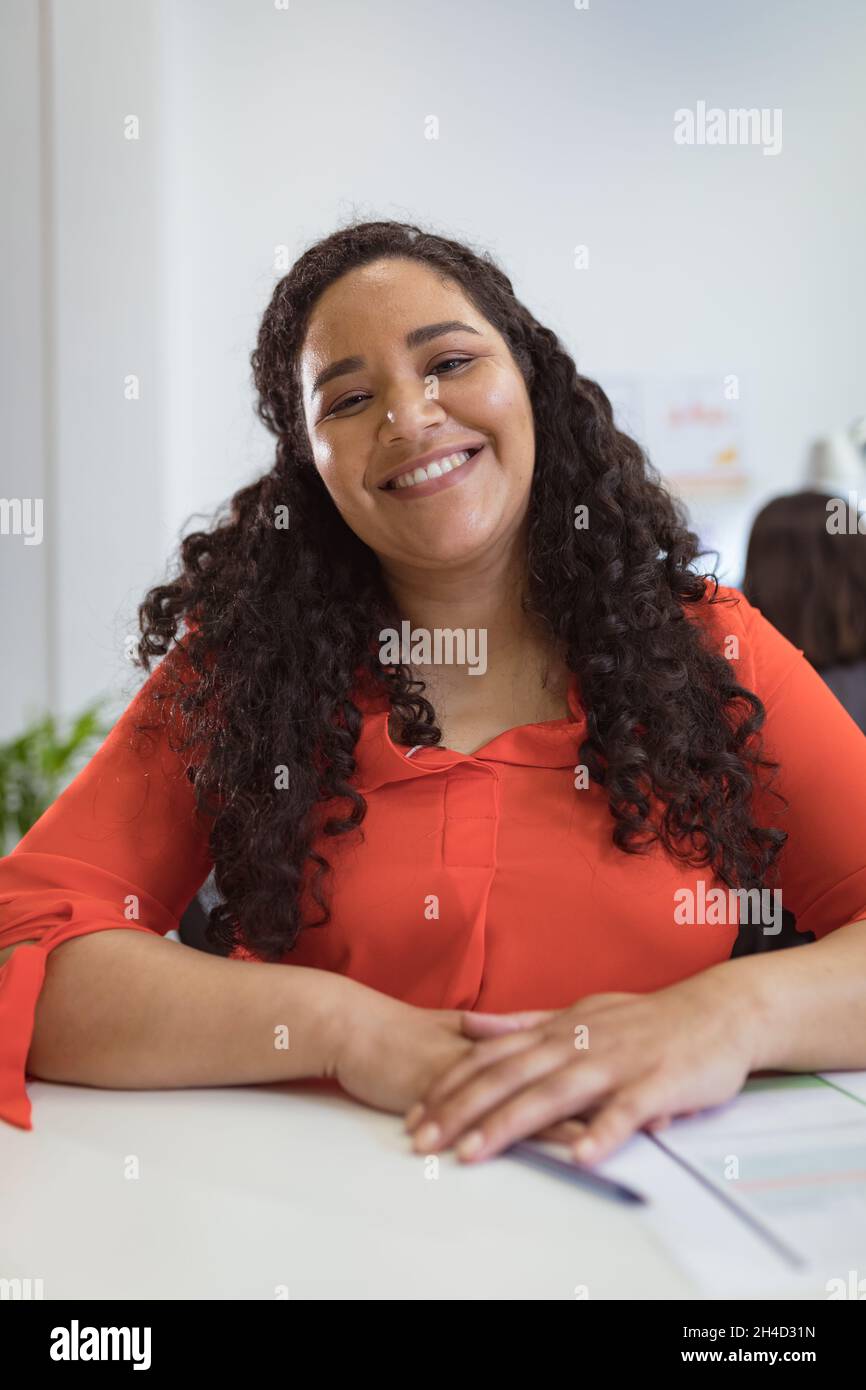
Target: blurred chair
[(810, 583), (195, 918)]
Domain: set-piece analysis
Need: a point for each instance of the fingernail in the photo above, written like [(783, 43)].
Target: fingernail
[(427, 1136), (414, 1115), (470, 1145), (585, 1148)]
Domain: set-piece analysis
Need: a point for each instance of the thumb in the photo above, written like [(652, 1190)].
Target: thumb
[(478, 1025)]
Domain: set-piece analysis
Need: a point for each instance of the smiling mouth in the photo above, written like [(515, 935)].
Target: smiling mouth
[(431, 471)]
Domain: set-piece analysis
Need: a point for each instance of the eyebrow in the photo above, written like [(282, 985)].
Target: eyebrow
[(413, 339)]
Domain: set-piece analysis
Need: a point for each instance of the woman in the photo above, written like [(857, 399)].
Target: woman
[(806, 571), (509, 894)]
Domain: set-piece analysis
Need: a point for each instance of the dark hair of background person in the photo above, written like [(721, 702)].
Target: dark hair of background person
[(808, 581), (279, 623)]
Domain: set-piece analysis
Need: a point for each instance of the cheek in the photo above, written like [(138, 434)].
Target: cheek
[(511, 421), (507, 406), (344, 480), (339, 474)]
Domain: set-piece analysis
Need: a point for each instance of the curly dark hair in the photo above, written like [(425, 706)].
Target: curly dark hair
[(280, 623)]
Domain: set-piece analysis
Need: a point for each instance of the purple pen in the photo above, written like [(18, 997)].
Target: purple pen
[(576, 1172)]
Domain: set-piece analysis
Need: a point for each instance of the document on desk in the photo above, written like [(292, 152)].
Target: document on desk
[(766, 1191)]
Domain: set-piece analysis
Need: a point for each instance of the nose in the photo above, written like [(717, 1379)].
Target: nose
[(408, 412)]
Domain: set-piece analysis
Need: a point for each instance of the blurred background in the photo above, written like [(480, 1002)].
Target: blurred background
[(165, 161)]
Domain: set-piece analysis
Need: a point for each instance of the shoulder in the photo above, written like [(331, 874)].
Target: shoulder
[(737, 630), (722, 611)]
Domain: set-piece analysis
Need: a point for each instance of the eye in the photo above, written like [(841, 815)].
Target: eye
[(446, 360), (335, 410), (349, 400)]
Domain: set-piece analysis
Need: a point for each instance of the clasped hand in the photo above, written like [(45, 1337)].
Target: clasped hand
[(590, 1075)]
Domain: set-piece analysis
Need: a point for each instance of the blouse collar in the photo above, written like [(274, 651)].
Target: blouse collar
[(553, 743)]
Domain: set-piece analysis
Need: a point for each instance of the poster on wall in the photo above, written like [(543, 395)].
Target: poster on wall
[(691, 427)]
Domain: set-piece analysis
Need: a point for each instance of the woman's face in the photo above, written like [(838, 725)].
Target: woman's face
[(415, 386)]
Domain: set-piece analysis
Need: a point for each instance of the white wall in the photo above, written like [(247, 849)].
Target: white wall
[(26, 651), (108, 325), (263, 126), (82, 257)]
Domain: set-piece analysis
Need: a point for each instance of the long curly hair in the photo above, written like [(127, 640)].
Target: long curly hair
[(281, 605)]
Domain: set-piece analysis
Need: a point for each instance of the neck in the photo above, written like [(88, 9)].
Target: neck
[(484, 595)]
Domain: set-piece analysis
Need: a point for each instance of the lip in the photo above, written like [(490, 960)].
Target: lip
[(403, 494), (432, 457)]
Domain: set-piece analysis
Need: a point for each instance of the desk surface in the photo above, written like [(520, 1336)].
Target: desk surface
[(244, 1189)]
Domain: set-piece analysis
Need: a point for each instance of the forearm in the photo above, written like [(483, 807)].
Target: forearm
[(806, 1005), (128, 1010)]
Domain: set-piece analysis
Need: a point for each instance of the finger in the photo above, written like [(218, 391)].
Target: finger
[(484, 1054), (538, 1106), (563, 1132), (664, 1120), (477, 1025), (513, 1098), (628, 1110)]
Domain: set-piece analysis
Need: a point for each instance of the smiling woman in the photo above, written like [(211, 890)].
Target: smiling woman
[(437, 843), (435, 380)]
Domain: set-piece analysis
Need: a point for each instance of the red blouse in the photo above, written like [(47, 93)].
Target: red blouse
[(478, 881)]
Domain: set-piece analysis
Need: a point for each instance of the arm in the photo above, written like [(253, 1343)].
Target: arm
[(809, 1004), (92, 993), (131, 1010), (653, 1056), (693, 1043), (121, 847)]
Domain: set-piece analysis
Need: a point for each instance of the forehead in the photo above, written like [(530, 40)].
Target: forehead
[(378, 304)]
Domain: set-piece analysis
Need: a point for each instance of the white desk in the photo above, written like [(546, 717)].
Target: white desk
[(244, 1189)]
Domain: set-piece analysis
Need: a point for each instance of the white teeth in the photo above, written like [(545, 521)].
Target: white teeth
[(433, 470)]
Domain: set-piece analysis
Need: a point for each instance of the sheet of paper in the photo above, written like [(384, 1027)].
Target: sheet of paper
[(853, 1083), (763, 1194)]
